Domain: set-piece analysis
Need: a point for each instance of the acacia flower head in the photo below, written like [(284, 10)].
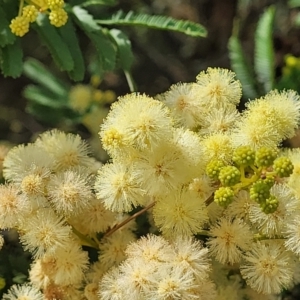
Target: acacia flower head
[(172, 282), (149, 129), (217, 146), (267, 267), (162, 170), (69, 191), (12, 206), (24, 291), (67, 265), (66, 149), (219, 87), (45, 232), (185, 108), (180, 213), (117, 187), (112, 248), (150, 249), (190, 254), (110, 287), (229, 239), (23, 160)]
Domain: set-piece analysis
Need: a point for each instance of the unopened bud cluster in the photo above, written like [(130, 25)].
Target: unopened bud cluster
[(255, 171), (57, 15)]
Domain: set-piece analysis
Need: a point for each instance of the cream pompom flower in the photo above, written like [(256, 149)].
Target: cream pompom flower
[(99, 218), (190, 254), (13, 206), (267, 267), (268, 120), (38, 274), (282, 109), (136, 277), (217, 146), (229, 238), (112, 248), (67, 265), (241, 206), (162, 170), (201, 186), (66, 149), (185, 107), (189, 144), (151, 249), (180, 213), (117, 187), (25, 291), (292, 232), (45, 232), (69, 191), (172, 282), (219, 120), (29, 160), (111, 287), (149, 129), (219, 87)]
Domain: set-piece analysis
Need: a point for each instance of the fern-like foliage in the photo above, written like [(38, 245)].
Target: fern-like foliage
[(264, 51), (156, 22), (242, 69)]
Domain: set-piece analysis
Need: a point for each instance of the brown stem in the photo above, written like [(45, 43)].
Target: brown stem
[(209, 200), (117, 226)]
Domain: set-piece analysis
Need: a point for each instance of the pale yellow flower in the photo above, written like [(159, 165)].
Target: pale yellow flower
[(180, 213), (228, 239), (267, 267), (117, 187)]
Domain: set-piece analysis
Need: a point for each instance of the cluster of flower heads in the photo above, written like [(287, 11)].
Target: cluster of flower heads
[(201, 170), (29, 13)]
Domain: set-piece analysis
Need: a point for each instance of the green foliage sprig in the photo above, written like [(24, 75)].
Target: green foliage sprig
[(112, 46), (259, 80)]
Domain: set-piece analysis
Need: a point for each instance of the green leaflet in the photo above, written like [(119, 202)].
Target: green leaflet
[(11, 60), (6, 36), (124, 54), (44, 97), (264, 52), (99, 2), (241, 68), (156, 22), (68, 33), (124, 48), (36, 71), (54, 42), (106, 51)]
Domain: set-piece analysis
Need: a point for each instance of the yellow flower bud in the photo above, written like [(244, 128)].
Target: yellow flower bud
[(19, 26)]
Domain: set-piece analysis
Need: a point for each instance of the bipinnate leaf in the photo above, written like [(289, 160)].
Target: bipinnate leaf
[(6, 36), (264, 53), (156, 22), (11, 59), (42, 96), (99, 2), (36, 71), (68, 33), (106, 51), (123, 47), (58, 48), (240, 66)]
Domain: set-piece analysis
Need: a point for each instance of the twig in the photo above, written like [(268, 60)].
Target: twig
[(209, 200), (117, 226)]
